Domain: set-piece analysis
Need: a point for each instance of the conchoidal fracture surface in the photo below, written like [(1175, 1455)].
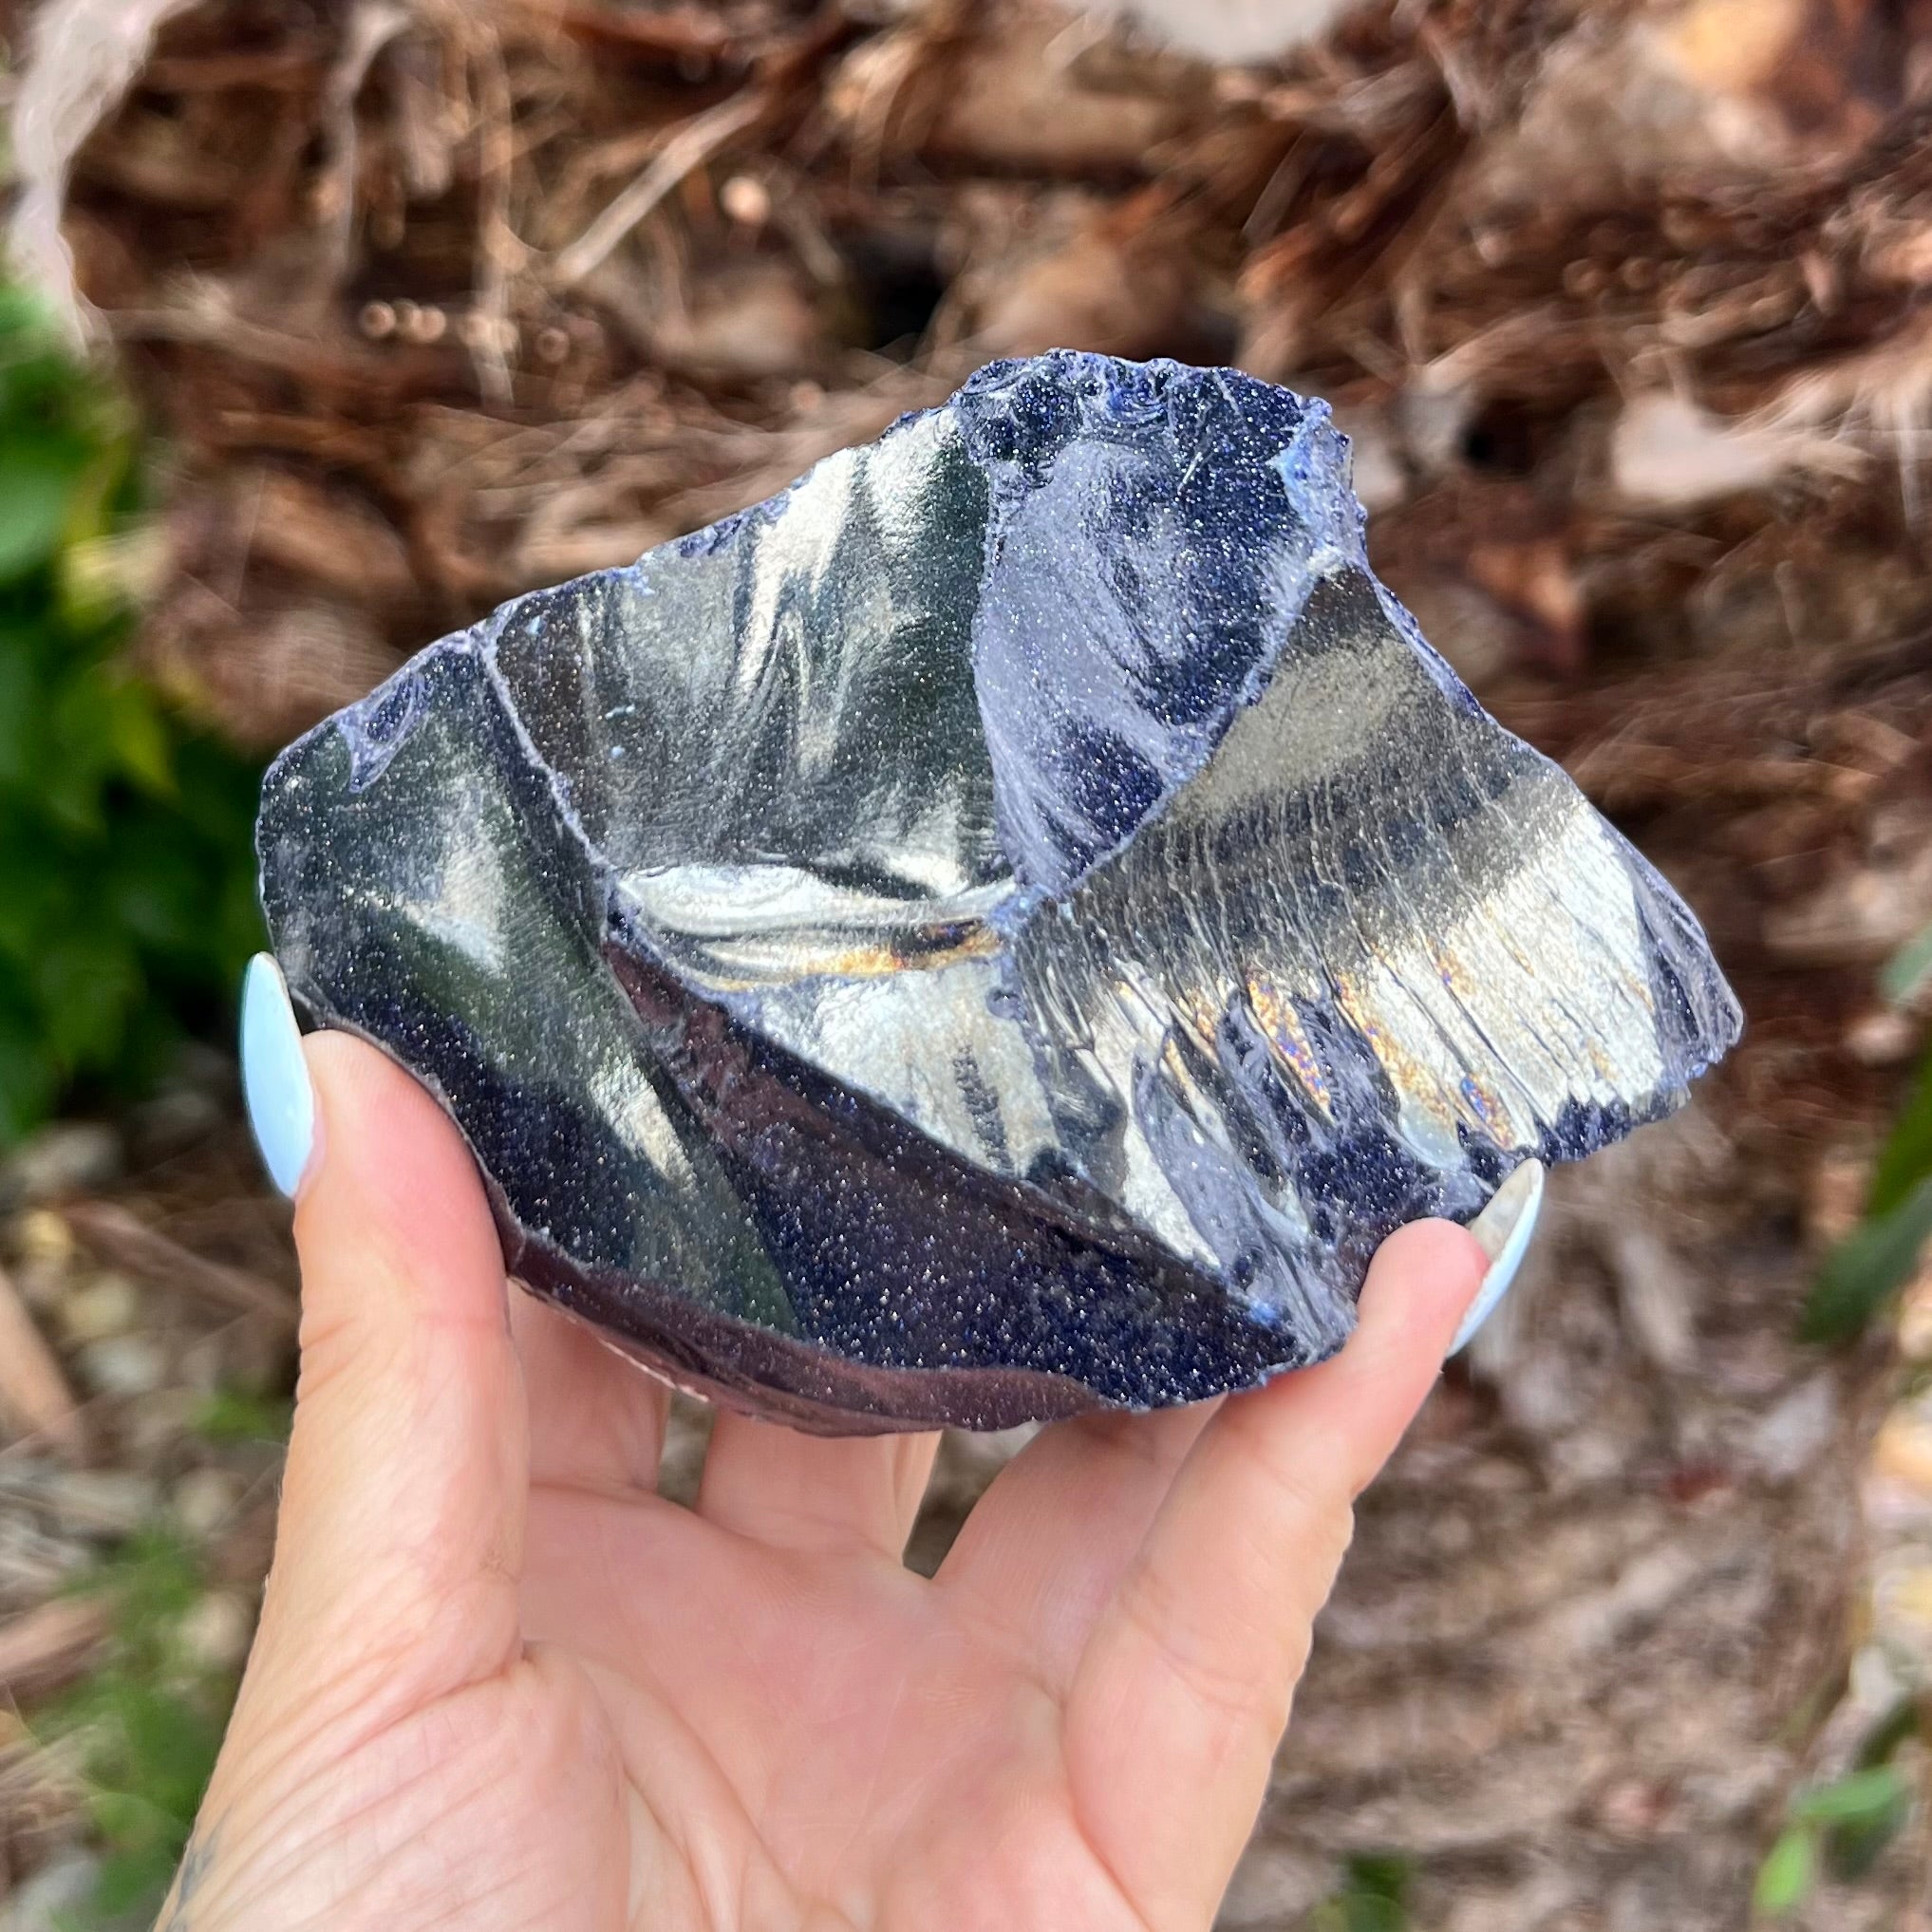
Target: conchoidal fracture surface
[(1007, 926)]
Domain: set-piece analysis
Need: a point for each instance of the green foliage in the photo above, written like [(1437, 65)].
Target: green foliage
[(1843, 1825), (1905, 1164), (1856, 1798), (1909, 972), (1861, 1272), (126, 899), (234, 1416), (1785, 1878), (1859, 1275), (1372, 1898), (147, 1723)]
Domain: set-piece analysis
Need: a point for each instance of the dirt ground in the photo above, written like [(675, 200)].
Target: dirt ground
[(1626, 307)]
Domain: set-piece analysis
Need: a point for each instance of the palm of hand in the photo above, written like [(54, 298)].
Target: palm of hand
[(806, 1733), (752, 1714), (501, 1682)]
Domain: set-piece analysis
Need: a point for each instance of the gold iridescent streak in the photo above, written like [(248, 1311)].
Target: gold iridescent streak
[(917, 952), (743, 928), (1280, 1026)]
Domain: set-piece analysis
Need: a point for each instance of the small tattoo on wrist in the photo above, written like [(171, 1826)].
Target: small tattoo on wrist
[(176, 1914)]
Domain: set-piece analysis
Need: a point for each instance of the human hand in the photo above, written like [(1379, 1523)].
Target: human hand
[(500, 1681)]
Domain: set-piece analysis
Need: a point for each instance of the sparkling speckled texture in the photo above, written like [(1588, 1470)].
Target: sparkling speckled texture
[(1007, 927)]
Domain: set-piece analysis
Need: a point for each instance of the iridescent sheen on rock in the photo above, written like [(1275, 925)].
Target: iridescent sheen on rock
[(1004, 928)]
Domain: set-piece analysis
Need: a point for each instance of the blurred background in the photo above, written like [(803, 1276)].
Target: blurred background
[(333, 322)]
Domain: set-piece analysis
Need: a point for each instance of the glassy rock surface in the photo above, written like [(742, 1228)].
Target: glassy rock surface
[(1006, 927)]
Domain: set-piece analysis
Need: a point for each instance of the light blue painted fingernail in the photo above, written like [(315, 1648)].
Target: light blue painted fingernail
[(1504, 1229), (275, 1075)]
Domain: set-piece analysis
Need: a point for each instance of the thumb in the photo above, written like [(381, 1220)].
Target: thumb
[(400, 1541)]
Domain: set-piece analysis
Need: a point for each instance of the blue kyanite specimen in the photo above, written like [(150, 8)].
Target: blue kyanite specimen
[(1005, 928)]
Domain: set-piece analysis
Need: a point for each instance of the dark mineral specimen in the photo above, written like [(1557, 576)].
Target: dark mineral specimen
[(1005, 928)]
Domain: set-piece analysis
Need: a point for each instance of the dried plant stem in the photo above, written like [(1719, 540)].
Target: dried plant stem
[(687, 147), (33, 1390)]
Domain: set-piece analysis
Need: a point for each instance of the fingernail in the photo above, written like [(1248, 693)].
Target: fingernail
[(275, 1075), (1503, 1228)]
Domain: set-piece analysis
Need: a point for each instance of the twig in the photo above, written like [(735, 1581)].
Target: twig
[(33, 1388), (687, 146), (114, 1234), (82, 57), (371, 28), (46, 1646), (497, 252)]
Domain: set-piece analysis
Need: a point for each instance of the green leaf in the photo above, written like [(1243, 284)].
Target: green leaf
[(126, 862), (1908, 973), (146, 1725), (29, 1081), (39, 876), (1380, 1875), (1861, 1272), (1371, 1898), (1362, 1912), (139, 736), (1907, 1157), (234, 1416), (39, 482), (132, 1885), (17, 711), (88, 983), (156, 885), (1856, 1798), (1786, 1877)]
